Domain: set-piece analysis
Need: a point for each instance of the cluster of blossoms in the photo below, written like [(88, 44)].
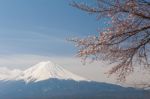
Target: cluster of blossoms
[(126, 41)]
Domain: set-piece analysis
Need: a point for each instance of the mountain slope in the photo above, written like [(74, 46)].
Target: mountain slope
[(67, 89), (41, 71), (47, 70)]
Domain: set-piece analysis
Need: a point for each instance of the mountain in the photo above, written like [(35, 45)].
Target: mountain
[(68, 89), (47, 70), (38, 72), (47, 80)]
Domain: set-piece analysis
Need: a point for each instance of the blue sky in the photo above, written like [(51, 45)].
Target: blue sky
[(36, 30), (41, 26)]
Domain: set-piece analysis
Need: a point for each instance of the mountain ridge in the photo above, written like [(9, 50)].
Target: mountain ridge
[(41, 71), (67, 89)]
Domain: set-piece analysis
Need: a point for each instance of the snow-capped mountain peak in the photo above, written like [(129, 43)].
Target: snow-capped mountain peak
[(47, 70)]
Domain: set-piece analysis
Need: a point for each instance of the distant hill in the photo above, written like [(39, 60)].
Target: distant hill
[(68, 89)]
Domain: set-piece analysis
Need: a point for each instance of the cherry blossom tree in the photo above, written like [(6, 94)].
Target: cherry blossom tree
[(126, 43)]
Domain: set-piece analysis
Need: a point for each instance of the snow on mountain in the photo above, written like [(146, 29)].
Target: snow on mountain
[(47, 70), (39, 72)]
